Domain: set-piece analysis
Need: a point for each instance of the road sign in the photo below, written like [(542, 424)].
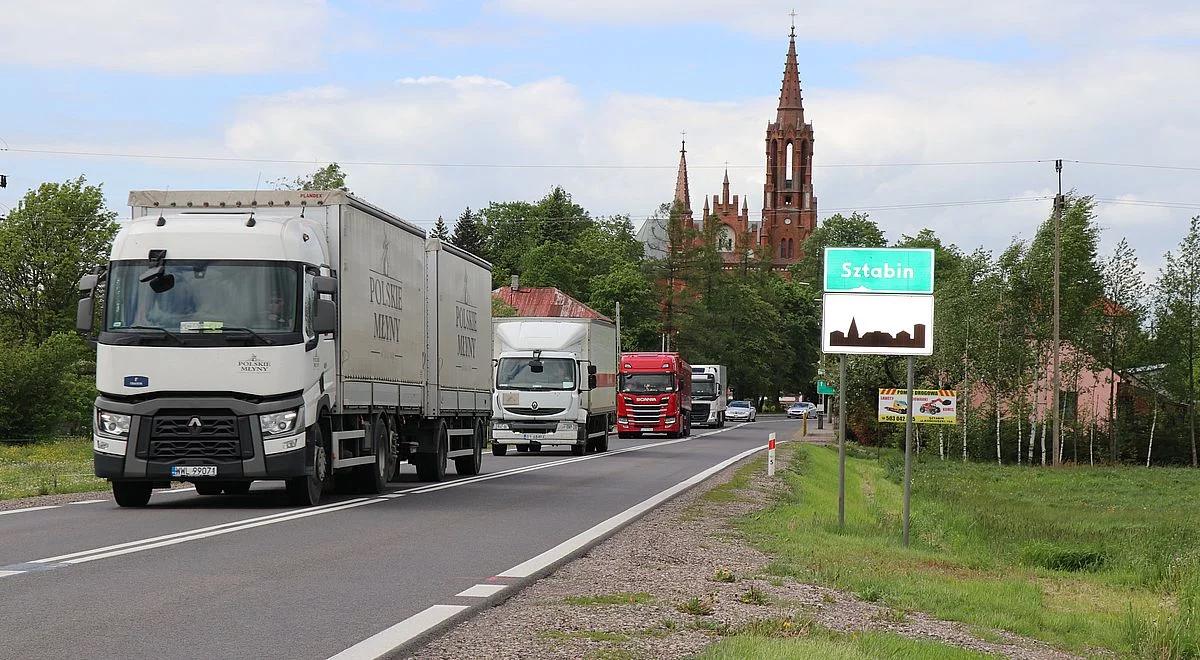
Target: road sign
[(879, 270), (825, 388), (877, 324), (929, 406)]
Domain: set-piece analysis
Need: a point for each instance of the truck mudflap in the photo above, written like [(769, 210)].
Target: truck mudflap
[(198, 439)]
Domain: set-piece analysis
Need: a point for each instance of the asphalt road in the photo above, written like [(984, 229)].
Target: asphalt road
[(249, 577)]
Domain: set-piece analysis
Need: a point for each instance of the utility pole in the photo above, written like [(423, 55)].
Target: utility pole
[(1056, 428)]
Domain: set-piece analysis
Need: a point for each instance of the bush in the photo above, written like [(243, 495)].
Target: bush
[(46, 389)]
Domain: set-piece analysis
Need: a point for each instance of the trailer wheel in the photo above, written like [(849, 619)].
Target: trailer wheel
[(470, 465), (131, 493), (500, 449), (432, 466), (306, 490)]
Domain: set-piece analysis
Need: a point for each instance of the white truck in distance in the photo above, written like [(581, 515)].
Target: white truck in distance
[(556, 383), (710, 384), (301, 336)]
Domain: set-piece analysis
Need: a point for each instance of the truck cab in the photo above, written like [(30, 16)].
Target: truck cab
[(654, 395), (709, 394)]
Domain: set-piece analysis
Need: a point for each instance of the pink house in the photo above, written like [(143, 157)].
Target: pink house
[(1086, 390)]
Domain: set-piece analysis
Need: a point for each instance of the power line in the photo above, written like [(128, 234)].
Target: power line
[(1182, 168)]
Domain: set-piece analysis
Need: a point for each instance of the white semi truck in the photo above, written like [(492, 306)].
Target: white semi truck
[(556, 384), (710, 386), (302, 336)]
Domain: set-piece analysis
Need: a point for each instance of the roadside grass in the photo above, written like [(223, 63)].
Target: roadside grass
[(619, 598), (47, 467), (824, 644), (1077, 557)]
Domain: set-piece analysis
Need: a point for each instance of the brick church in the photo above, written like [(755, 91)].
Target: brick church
[(789, 211)]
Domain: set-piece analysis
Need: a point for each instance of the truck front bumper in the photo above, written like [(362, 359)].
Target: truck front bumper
[(556, 437), (225, 437)]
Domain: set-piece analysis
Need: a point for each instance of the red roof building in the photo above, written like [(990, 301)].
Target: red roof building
[(545, 301)]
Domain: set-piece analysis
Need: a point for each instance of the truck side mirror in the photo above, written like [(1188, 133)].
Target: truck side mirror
[(87, 283), (592, 380), (323, 284), (591, 370), (326, 321), (84, 314)]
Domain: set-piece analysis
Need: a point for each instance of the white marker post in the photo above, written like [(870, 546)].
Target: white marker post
[(771, 455)]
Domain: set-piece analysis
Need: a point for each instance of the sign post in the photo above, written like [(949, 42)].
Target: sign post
[(771, 455), (878, 301)]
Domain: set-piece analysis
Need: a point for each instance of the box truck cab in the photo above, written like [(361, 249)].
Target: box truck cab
[(555, 381), (654, 395), (709, 394), (301, 336)]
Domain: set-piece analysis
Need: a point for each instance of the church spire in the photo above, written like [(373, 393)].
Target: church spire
[(791, 105), (683, 198), (725, 187)]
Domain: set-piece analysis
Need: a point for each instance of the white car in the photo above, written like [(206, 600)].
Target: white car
[(741, 411)]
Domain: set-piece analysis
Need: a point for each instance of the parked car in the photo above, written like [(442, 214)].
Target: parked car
[(801, 409), (741, 411)]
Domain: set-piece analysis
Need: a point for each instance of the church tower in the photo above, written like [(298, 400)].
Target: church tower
[(789, 212), (683, 197)]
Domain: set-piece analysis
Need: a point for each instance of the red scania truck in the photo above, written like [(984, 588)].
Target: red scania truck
[(654, 395)]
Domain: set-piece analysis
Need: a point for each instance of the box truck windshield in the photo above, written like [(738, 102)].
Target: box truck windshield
[(528, 374), (648, 382), (205, 296), (704, 388)]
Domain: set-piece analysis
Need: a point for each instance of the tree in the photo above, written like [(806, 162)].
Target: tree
[(1178, 311), (439, 230), (501, 309), (858, 230), (330, 177), (1124, 310), (58, 233), (467, 234)]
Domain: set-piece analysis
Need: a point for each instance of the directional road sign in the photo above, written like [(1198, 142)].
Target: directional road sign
[(879, 270)]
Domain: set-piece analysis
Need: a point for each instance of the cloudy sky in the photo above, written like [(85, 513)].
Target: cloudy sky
[(415, 95)]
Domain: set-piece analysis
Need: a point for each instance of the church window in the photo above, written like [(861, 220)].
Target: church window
[(791, 149), (725, 239)]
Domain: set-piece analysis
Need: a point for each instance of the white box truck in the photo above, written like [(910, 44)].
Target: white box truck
[(556, 383), (302, 336), (710, 387)]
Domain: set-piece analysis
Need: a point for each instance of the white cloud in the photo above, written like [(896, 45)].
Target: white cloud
[(169, 37)]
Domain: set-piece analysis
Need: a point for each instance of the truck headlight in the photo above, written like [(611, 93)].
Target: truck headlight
[(670, 420), (113, 424), (499, 426), (278, 423), (566, 426)]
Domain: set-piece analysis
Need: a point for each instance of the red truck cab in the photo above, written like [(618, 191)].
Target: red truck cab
[(654, 395)]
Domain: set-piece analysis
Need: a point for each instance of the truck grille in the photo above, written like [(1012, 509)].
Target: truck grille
[(646, 414), (533, 427), (536, 412), (700, 412), (214, 437)]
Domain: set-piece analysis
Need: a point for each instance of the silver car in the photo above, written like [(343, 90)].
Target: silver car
[(741, 411)]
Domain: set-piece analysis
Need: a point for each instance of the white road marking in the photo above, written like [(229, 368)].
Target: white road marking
[(140, 545), (4, 574), (87, 502), (482, 590), (27, 510), (381, 644), (571, 545)]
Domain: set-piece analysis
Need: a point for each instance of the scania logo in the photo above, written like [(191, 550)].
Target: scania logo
[(534, 405)]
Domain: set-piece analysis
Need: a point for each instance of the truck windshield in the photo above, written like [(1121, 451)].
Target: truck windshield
[(704, 388), (203, 297), (647, 383), (530, 374)]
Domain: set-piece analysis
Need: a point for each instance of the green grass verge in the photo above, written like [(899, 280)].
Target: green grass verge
[(824, 644), (1079, 557), (47, 467)]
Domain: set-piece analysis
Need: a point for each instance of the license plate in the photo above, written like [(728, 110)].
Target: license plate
[(531, 436), (193, 471)]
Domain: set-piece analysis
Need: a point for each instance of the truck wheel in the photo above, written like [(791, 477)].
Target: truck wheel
[(306, 490), (521, 449), (470, 465), (432, 466), (372, 478), (500, 449), (208, 488), (602, 443), (720, 420), (237, 488), (578, 450), (131, 493)]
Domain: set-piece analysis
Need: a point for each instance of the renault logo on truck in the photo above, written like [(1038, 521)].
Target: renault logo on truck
[(195, 423)]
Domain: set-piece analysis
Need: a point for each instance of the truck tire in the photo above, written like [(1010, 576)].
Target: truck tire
[(372, 479), (131, 493), (208, 488), (578, 449), (470, 465), (432, 466), (307, 490), (500, 449), (602, 442), (720, 420)]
